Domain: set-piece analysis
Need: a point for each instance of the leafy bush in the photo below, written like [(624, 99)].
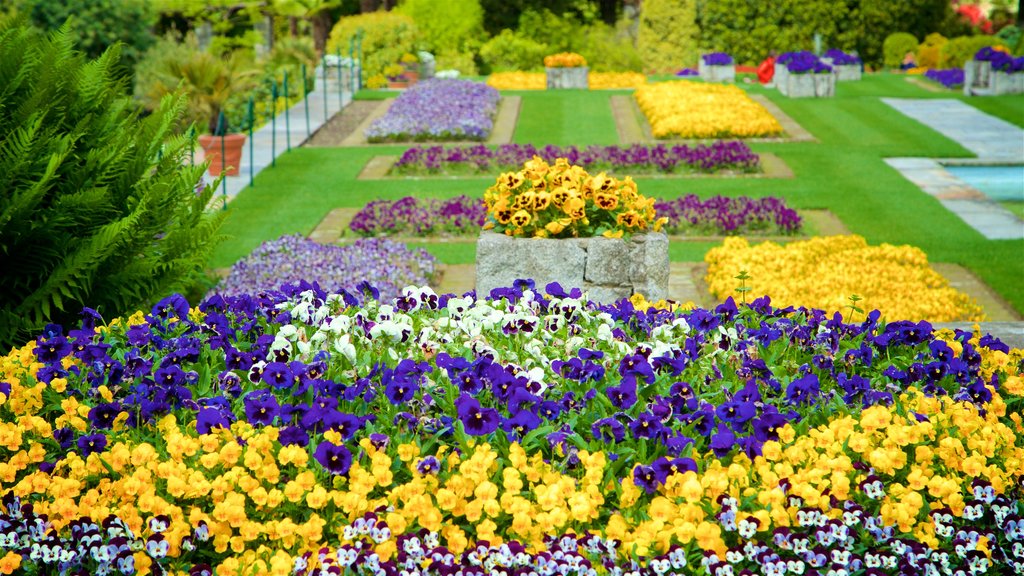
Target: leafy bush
[(609, 50), (668, 34), (100, 208), (1012, 37), (895, 48), (449, 26), (457, 60), (99, 24), (509, 51), (386, 37), (928, 51), (959, 50)]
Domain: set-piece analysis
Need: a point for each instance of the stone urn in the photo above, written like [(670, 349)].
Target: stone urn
[(608, 269), (574, 78)]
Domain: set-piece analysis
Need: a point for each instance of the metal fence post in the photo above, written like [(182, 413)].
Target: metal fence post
[(341, 103), (223, 158), (323, 88), (305, 99), (359, 52), (287, 116), (192, 145), (252, 144), (273, 122)]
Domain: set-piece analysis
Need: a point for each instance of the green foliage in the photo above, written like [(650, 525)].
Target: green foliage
[(609, 50), (1012, 37), (386, 37), (669, 34), (100, 207), (455, 60), (449, 26), (928, 51), (896, 46), (99, 24), (509, 51), (959, 50)]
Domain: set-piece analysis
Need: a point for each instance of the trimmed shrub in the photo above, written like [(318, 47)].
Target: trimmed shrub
[(895, 48), (99, 24), (386, 37), (959, 50), (928, 51), (509, 52), (668, 34), (609, 50), (100, 208), (449, 26)]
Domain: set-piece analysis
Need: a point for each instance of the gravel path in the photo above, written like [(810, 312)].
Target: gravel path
[(344, 123)]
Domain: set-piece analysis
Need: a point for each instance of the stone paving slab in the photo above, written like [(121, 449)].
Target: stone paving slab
[(987, 136)]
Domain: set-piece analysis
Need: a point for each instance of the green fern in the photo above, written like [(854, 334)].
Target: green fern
[(99, 207)]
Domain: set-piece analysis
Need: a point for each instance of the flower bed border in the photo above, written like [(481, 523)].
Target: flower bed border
[(505, 120), (772, 166), (631, 124)]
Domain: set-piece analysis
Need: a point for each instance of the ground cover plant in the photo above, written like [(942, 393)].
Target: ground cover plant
[(829, 271), (412, 216), (686, 109), (950, 78), (293, 258), (298, 429), (438, 110), (721, 215), (638, 159)]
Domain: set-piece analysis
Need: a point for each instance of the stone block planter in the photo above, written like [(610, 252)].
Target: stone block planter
[(780, 79), (824, 85), (607, 268), (568, 78), (807, 85), (982, 72), (847, 72), (718, 73), (1005, 83)]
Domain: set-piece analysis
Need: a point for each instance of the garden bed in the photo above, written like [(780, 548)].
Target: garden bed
[(504, 125)]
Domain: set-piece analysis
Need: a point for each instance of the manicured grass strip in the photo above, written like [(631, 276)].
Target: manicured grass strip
[(1017, 208), (366, 94), (565, 117), (450, 253)]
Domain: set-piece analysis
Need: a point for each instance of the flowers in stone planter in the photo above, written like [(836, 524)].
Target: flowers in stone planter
[(717, 59), (719, 156), (685, 109), (988, 53), (438, 110), (840, 58), (411, 216), (537, 81), (290, 259), (825, 272), (1003, 62), (949, 78), (722, 215), (803, 62), (562, 200), (564, 60)]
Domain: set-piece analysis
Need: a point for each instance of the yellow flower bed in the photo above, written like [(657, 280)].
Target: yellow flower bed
[(824, 272), (537, 80), (564, 60), (683, 109), (564, 201)]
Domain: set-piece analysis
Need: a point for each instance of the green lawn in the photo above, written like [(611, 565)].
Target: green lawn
[(844, 172)]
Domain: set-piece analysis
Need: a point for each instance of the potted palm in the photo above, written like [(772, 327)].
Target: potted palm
[(208, 81)]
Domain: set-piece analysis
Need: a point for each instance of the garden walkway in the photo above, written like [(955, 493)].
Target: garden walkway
[(272, 140), (992, 140)]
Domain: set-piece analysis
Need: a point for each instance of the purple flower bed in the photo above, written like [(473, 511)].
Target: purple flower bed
[(438, 110), (412, 216), (949, 78), (390, 266), (732, 155), (840, 58), (803, 62), (721, 215), (687, 72), (986, 54), (717, 59)]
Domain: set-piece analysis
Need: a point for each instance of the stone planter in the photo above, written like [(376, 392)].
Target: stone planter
[(847, 72), (982, 72), (1005, 83), (607, 268), (824, 85), (717, 73), (800, 86), (568, 78), (781, 79)]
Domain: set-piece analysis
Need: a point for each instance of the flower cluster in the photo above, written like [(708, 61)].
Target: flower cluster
[(803, 62), (825, 272), (682, 72), (989, 53), (301, 432), (721, 215), (438, 110), (411, 216), (684, 109), (840, 58), (537, 80), (561, 200), (564, 60), (1004, 62), (292, 259), (717, 59), (719, 156), (950, 78)]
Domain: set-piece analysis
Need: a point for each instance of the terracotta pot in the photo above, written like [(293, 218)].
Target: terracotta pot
[(399, 84), (232, 147), (413, 76)]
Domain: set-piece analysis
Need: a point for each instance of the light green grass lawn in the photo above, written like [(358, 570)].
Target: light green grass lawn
[(843, 172)]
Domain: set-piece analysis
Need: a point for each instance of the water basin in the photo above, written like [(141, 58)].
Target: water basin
[(1000, 183)]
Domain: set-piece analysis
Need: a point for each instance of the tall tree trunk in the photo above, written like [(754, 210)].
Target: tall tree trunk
[(368, 5), (609, 10), (321, 30), (293, 26)]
